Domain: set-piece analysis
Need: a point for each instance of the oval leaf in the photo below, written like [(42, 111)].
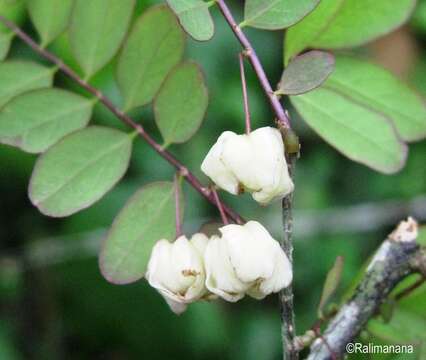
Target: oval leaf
[(276, 14), (50, 17), (97, 30), (306, 72), (360, 133), (36, 120), (154, 47), (146, 218), (360, 21), (18, 77), (195, 18), (79, 170), (303, 34), (379, 90), (181, 103)]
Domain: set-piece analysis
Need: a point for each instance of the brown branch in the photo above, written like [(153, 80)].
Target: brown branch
[(245, 95), (398, 256), (189, 177)]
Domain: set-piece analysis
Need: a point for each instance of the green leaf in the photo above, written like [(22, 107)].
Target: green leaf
[(304, 33), (36, 120), (147, 217), (18, 77), (181, 103), (306, 72), (50, 17), (379, 90), (154, 47), (356, 130), (13, 10), (331, 283), (97, 30), (5, 41), (79, 170), (195, 18), (276, 14), (360, 21)]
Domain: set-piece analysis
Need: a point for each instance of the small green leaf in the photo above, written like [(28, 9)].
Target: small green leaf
[(181, 103), (195, 18), (147, 217), (18, 77), (304, 33), (360, 21), (5, 41), (379, 90), (306, 72), (154, 47), (331, 284), (79, 170), (50, 17), (97, 30), (276, 14), (36, 120), (354, 128)]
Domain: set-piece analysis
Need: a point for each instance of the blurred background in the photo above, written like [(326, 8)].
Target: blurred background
[(54, 303)]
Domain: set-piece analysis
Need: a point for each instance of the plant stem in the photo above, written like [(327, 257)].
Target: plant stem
[(189, 177), (177, 206), (286, 296), (250, 53), (245, 96), (219, 206)]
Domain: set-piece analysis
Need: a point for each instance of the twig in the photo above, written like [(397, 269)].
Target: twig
[(250, 53), (392, 262), (219, 206), (245, 96), (189, 176)]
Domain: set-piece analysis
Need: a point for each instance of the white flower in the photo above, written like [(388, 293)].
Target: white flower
[(246, 260), (176, 270), (253, 163)]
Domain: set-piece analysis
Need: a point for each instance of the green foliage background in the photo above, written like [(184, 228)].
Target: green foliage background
[(54, 302)]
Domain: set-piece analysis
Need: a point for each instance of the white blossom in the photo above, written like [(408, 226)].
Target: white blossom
[(245, 260), (176, 270), (254, 163)]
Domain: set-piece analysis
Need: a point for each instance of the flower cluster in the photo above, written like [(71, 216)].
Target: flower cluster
[(245, 259), (254, 163)]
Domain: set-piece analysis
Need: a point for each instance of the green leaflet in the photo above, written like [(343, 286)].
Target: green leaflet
[(79, 170), (36, 120), (154, 46), (147, 217)]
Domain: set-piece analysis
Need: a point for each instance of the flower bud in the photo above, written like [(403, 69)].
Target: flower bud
[(176, 270), (253, 163), (246, 260)]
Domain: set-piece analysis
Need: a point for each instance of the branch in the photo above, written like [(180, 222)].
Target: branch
[(285, 296), (398, 256), (189, 177)]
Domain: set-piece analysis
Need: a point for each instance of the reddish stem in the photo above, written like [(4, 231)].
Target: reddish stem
[(245, 96), (219, 206)]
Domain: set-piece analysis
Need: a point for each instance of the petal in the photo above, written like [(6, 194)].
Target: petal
[(177, 307), (216, 170), (220, 276), (200, 241), (250, 251)]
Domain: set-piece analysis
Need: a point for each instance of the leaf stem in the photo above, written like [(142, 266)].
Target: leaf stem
[(177, 183), (189, 176), (245, 96), (219, 206)]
